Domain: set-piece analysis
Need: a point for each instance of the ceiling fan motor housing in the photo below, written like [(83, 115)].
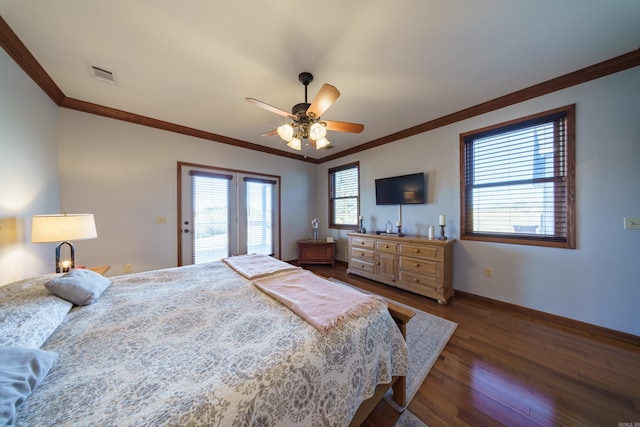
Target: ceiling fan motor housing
[(305, 78), (300, 109)]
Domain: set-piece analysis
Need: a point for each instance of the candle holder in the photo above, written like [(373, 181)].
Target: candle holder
[(360, 227), (400, 231), (442, 236)]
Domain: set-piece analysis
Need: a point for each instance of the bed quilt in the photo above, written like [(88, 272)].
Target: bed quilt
[(200, 345)]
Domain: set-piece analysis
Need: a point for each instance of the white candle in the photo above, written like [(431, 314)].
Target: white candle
[(360, 217), (398, 224), (443, 220)]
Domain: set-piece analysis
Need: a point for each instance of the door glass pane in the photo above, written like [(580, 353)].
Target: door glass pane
[(210, 199), (259, 219)]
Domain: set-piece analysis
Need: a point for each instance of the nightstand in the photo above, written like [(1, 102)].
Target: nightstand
[(101, 269), (316, 252)]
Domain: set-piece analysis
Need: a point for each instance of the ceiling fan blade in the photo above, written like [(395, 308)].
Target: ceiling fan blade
[(344, 126), (323, 100), (270, 108), (270, 133)]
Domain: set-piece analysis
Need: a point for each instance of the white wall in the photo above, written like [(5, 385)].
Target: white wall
[(126, 175), (597, 283), (28, 171)]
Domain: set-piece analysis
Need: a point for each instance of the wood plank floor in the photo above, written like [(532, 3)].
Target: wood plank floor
[(513, 368)]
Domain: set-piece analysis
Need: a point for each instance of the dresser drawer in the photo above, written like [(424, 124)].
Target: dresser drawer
[(362, 265), (426, 252), (362, 254), (417, 265), (416, 282), (387, 247), (359, 242)]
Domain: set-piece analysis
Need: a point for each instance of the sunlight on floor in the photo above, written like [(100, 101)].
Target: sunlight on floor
[(489, 383)]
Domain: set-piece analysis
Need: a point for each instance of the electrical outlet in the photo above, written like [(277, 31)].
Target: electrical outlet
[(488, 272), (128, 268), (161, 220)]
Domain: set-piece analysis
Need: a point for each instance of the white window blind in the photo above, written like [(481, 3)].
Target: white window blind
[(518, 181), (260, 215), (344, 196), (210, 196)]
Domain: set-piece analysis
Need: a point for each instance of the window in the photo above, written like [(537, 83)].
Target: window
[(518, 181), (344, 196)]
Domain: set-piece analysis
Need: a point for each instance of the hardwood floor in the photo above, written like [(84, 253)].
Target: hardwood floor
[(510, 367)]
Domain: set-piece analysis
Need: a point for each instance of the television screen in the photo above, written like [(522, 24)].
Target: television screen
[(401, 190)]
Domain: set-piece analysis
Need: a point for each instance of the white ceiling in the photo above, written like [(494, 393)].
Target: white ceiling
[(397, 63)]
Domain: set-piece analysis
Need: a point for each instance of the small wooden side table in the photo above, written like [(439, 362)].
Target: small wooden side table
[(316, 252), (100, 270)]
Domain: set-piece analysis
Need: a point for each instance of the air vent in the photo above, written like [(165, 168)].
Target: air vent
[(103, 75)]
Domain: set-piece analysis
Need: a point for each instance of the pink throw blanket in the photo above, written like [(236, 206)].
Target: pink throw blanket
[(320, 302), (255, 265)]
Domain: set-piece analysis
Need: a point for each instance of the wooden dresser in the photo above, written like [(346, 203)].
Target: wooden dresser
[(416, 264)]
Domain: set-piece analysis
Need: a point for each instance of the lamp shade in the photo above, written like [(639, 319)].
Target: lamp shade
[(295, 143), (285, 132), (63, 227), (317, 131), (322, 142)]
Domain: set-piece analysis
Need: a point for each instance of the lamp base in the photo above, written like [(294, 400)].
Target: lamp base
[(59, 268)]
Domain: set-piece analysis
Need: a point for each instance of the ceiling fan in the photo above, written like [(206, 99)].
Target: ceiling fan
[(307, 123)]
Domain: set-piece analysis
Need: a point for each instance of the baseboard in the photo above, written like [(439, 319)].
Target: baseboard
[(588, 328)]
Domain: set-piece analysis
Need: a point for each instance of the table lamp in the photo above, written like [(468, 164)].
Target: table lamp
[(63, 228)]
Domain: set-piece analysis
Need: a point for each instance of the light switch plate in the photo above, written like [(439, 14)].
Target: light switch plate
[(632, 223)]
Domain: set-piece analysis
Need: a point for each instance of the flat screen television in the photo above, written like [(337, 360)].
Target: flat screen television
[(401, 190)]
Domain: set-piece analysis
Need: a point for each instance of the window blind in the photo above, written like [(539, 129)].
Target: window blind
[(260, 215), (517, 183), (344, 196), (211, 198)]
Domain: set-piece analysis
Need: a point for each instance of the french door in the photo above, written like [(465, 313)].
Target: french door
[(226, 212)]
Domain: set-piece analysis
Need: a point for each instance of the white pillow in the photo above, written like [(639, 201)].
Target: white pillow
[(79, 286)]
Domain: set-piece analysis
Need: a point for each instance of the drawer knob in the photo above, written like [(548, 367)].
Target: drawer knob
[(361, 253), (416, 280), (416, 251), (362, 243), (386, 246), (417, 265)]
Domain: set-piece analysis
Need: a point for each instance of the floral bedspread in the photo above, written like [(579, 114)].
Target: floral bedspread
[(200, 345)]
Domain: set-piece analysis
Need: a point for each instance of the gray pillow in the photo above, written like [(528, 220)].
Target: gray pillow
[(21, 371), (79, 286)]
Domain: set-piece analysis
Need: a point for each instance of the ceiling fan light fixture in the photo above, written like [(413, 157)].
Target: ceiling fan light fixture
[(295, 143), (306, 123), (321, 143), (317, 131), (285, 132)]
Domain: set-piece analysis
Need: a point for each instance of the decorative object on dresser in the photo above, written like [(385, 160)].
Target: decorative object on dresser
[(63, 228), (442, 221), (412, 263), (315, 223), (316, 252)]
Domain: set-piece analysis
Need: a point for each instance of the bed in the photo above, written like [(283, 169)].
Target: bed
[(198, 345)]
